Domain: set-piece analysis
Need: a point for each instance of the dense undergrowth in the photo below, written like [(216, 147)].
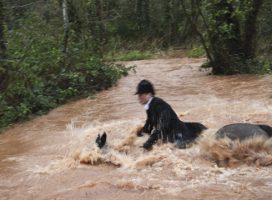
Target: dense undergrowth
[(34, 91)]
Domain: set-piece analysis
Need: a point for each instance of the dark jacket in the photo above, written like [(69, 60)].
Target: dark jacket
[(162, 119)]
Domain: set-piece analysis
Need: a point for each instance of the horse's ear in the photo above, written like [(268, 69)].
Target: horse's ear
[(98, 140), (103, 139)]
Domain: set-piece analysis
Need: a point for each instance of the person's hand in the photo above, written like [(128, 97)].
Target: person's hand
[(140, 132), (147, 146), (151, 140)]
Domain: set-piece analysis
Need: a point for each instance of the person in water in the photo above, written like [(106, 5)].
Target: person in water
[(162, 122)]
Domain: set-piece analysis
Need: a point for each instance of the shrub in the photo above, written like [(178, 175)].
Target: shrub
[(128, 55), (196, 52)]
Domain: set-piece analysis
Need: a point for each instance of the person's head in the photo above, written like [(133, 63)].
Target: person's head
[(145, 91)]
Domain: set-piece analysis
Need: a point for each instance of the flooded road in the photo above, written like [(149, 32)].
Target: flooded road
[(54, 156)]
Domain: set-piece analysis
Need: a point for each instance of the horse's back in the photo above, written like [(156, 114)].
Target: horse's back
[(195, 128), (243, 131)]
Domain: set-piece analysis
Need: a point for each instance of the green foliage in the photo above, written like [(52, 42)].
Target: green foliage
[(128, 55), (265, 30), (41, 77), (230, 34), (196, 52), (261, 66), (248, 66), (30, 93)]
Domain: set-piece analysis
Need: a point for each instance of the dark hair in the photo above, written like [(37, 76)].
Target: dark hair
[(145, 87)]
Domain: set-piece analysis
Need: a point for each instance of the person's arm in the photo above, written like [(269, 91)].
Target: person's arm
[(153, 138), (162, 130), (165, 121), (147, 128)]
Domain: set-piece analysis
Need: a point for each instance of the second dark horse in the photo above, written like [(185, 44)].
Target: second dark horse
[(242, 131)]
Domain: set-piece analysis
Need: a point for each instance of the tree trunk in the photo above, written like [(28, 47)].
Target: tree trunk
[(227, 51), (2, 39), (146, 15), (100, 28), (195, 29), (65, 24), (75, 20), (167, 22), (143, 18), (250, 31), (3, 48)]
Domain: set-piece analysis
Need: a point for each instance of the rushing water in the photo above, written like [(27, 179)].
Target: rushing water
[(54, 156)]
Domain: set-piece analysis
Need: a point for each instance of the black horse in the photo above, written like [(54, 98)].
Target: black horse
[(242, 131), (192, 129), (101, 140)]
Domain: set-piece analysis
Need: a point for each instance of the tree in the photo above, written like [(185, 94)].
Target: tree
[(96, 26), (65, 25), (3, 48), (143, 15), (250, 30), (224, 37), (2, 39), (229, 34), (171, 21)]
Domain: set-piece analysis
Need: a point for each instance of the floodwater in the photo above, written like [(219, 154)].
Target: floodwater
[(55, 157)]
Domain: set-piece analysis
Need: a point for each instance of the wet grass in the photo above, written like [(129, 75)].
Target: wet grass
[(129, 55)]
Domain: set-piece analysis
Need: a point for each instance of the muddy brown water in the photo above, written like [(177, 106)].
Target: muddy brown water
[(54, 156)]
